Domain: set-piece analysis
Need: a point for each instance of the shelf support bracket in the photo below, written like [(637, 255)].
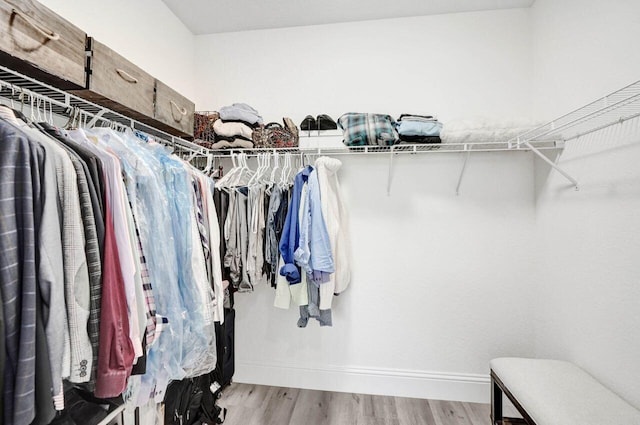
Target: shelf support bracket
[(464, 167), (552, 164), (391, 155)]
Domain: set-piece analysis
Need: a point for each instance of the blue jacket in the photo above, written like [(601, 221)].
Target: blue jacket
[(290, 239)]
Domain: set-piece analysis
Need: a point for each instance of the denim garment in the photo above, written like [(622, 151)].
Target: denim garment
[(290, 239), (271, 241), (314, 253)]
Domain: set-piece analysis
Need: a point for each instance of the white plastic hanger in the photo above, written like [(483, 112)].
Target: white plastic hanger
[(252, 180), (245, 172), (276, 166), (285, 171), (207, 167), (222, 183)]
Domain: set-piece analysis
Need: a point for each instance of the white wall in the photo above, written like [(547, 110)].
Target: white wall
[(438, 279), (439, 285), (454, 66), (588, 292), (145, 32), (582, 50)]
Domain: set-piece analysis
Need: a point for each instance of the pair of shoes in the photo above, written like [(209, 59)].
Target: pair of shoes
[(323, 122)]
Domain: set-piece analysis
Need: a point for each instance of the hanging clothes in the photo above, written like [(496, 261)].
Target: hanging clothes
[(316, 231), (314, 252), (111, 267), (20, 162), (293, 238), (93, 224), (290, 239), (50, 271)]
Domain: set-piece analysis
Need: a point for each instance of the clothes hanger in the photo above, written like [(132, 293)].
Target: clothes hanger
[(16, 113), (243, 167), (285, 170), (266, 176), (222, 183), (253, 179), (13, 93), (207, 168), (245, 173), (72, 117), (21, 97), (276, 166), (265, 164), (50, 120), (32, 114), (293, 169)]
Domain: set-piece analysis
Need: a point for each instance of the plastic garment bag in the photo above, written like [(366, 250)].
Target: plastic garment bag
[(151, 205), (198, 333)]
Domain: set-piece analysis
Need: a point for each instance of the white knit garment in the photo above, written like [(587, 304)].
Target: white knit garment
[(336, 219)]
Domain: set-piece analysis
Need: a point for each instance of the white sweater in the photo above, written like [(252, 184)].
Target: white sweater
[(335, 216)]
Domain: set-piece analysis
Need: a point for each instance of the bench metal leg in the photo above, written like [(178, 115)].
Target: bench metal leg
[(497, 418), (496, 403)]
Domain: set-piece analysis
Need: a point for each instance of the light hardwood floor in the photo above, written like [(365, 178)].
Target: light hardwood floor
[(263, 405)]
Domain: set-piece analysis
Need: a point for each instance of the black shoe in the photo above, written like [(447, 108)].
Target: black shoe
[(325, 122), (308, 124)]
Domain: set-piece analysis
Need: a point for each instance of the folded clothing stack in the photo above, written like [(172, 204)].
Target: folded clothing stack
[(235, 126), (418, 129), (361, 129)]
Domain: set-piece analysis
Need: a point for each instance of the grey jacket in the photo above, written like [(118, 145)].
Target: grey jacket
[(20, 189)]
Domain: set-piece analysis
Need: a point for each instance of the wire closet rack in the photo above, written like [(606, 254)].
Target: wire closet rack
[(613, 109), (21, 90)]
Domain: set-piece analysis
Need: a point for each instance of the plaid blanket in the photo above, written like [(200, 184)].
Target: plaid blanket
[(368, 129)]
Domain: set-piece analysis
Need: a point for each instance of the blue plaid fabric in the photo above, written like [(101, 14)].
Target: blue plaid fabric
[(368, 129)]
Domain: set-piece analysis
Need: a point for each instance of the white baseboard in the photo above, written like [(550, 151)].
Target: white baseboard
[(379, 381)]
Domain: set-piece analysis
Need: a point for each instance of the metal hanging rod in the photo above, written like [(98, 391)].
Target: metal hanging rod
[(395, 149), (392, 151), (63, 104)]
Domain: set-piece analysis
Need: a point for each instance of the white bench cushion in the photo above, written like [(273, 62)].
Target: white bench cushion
[(559, 393)]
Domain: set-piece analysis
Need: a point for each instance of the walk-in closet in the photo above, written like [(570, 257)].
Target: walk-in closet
[(338, 213)]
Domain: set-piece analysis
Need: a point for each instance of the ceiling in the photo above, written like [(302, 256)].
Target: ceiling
[(215, 16)]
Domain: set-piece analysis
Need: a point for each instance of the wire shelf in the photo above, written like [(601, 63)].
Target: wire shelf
[(617, 107), (395, 149), (14, 86)]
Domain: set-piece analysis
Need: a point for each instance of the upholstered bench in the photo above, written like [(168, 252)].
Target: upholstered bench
[(552, 392)]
